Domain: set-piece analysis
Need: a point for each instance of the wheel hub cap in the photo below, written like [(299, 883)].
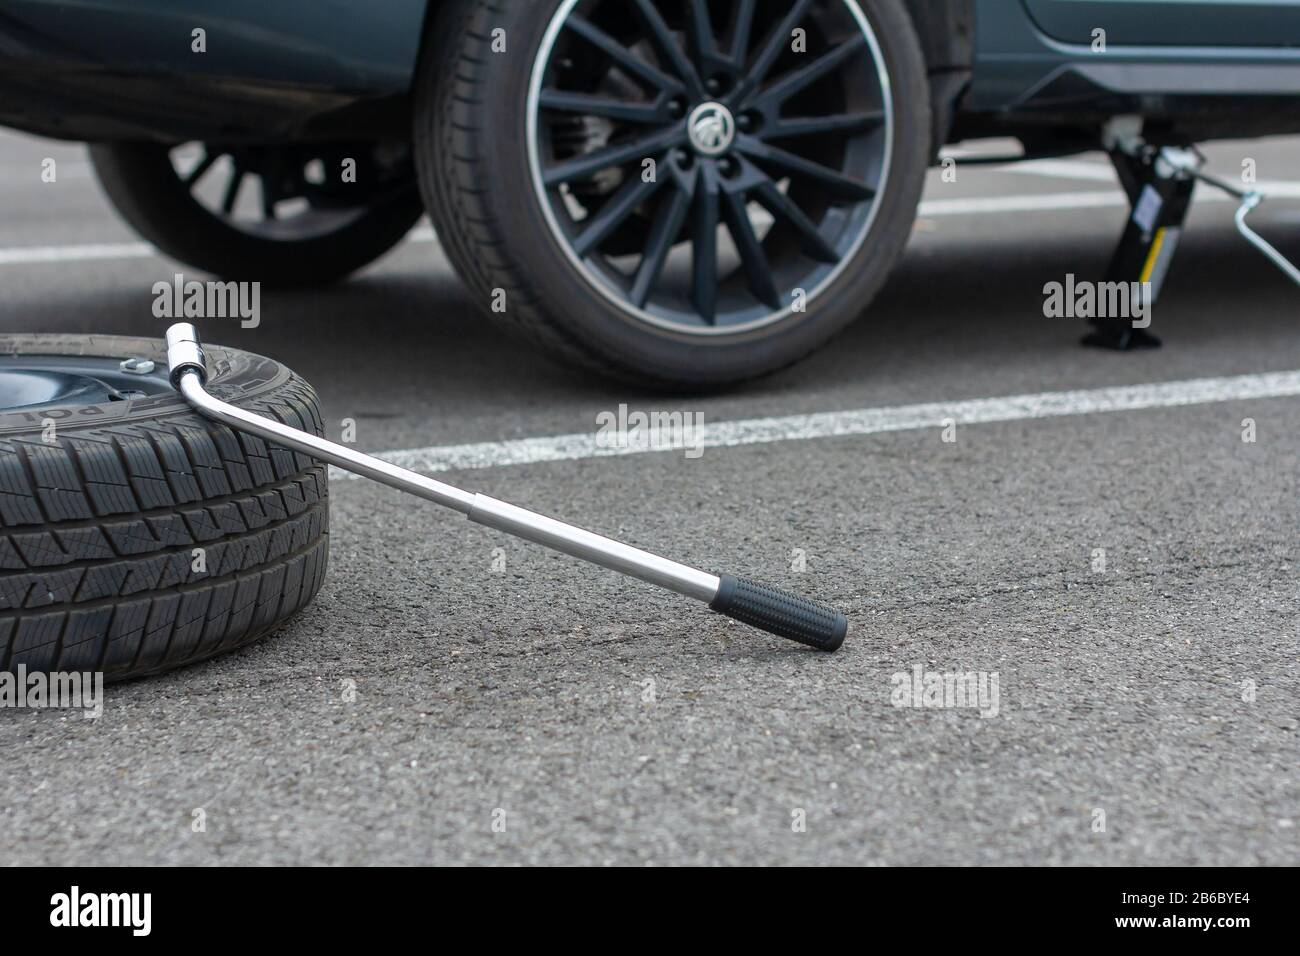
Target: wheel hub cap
[(712, 129)]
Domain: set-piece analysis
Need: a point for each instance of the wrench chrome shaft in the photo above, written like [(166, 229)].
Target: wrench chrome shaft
[(768, 608)]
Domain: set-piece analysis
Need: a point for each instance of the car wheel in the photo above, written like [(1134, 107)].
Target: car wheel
[(136, 535), (282, 215), (678, 193)]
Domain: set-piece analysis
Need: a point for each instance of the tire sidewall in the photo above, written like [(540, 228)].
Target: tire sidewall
[(678, 356)]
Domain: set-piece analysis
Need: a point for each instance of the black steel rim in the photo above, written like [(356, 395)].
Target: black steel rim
[(34, 381), (768, 162)]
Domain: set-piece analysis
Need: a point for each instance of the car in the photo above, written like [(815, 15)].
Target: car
[(680, 193)]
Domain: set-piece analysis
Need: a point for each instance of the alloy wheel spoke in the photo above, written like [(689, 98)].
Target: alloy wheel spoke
[(843, 123), (833, 182), (663, 235), (667, 45), (704, 245), (204, 164), (758, 272), (700, 30), (268, 199), (783, 207), (615, 212), (589, 104), (589, 163), (775, 44), (269, 177), (232, 190), (805, 76), (742, 25), (626, 60)]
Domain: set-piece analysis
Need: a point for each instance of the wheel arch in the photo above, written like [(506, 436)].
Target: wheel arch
[(946, 29)]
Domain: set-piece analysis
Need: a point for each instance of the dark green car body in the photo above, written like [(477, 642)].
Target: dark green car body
[(1049, 70)]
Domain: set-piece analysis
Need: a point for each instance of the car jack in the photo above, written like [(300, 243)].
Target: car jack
[(1160, 197), (1159, 183), (770, 609)]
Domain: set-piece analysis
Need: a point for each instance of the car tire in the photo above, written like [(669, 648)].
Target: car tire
[(480, 181), (137, 536), (145, 187)]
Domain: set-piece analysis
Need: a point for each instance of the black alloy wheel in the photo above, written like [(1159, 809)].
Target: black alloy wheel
[(652, 131), (695, 193), (282, 214)]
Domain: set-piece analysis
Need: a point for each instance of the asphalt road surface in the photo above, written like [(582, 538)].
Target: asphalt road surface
[(1128, 577)]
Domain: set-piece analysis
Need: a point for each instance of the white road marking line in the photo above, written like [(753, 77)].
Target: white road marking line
[(22, 174), (101, 250), (1092, 199), (1044, 202), (1101, 172), (1105, 173), (864, 421), (1064, 169), (115, 251), (931, 208), (1273, 188)]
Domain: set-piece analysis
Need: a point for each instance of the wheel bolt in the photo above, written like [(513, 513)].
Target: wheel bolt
[(714, 85)]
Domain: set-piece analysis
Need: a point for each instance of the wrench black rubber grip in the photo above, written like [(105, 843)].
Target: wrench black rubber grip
[(781, 613)]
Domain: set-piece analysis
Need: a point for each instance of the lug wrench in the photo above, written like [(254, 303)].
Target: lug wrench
[(1250, 200), (770, 609)]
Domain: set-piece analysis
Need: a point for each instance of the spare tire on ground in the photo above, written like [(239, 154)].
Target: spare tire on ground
[(137, 536)]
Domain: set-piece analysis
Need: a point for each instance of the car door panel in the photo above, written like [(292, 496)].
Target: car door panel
[(1244, 23)]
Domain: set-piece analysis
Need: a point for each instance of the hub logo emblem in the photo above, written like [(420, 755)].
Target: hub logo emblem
[(712, 129)]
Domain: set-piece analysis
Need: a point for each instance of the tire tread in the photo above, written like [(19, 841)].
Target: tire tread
[(97, 530)]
